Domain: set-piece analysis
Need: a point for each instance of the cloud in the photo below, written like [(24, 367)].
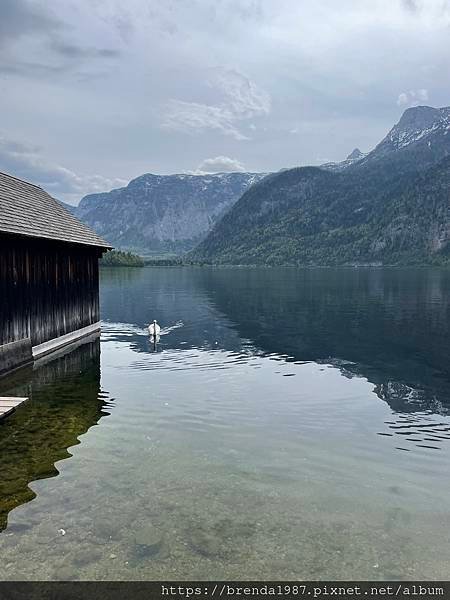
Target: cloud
[(103, 84), (240, 99), (191, 117), (411, 5), (29, 29), (219, 164), (412, 98), (26, 162), (244, 98), (22, 17), (438, 7), (72, 51), (121, 19)]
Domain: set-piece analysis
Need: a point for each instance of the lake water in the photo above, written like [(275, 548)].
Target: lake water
[(288, 424)]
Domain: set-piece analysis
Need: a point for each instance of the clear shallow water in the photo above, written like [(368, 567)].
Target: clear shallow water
[(289, 424)]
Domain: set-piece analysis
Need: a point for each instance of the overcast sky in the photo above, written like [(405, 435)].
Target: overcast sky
[(96, 92)]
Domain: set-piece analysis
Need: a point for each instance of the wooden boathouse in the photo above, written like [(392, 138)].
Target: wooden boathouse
[(48, 274)]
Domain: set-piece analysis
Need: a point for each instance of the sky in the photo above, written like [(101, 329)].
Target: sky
[(96, 92)]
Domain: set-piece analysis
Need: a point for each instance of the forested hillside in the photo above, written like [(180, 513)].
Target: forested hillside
[(388, 207)]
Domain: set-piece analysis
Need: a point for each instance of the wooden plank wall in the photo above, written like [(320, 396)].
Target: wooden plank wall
[(47, 288)]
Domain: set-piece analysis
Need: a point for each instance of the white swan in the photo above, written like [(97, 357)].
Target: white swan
[(154, 329)]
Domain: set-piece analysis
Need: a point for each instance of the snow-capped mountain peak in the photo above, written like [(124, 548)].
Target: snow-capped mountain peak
[(417, 123), (356, 154)]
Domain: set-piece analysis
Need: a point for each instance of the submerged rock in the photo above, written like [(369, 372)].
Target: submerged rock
[(85, 556), (206, 543), (107, 529), (223, 539), (48, 534), (149, 540)]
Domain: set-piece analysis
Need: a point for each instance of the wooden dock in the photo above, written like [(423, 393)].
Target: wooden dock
[(9, 405)]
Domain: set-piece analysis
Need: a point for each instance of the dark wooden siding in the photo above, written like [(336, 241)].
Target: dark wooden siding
[(47, 288)]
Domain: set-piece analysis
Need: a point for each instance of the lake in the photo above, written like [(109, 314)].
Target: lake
[(289, 424)]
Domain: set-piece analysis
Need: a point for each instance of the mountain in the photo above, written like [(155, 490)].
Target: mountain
[(72, 209), (354, 156), (161, 213), (419, 126), (390, 206)]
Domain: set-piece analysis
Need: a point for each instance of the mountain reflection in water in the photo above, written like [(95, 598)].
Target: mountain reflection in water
[(388, 325)]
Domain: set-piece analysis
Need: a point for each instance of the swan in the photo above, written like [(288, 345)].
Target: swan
[(154, 329)]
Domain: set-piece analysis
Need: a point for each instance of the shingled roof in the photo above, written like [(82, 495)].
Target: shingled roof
[(26, 209)]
